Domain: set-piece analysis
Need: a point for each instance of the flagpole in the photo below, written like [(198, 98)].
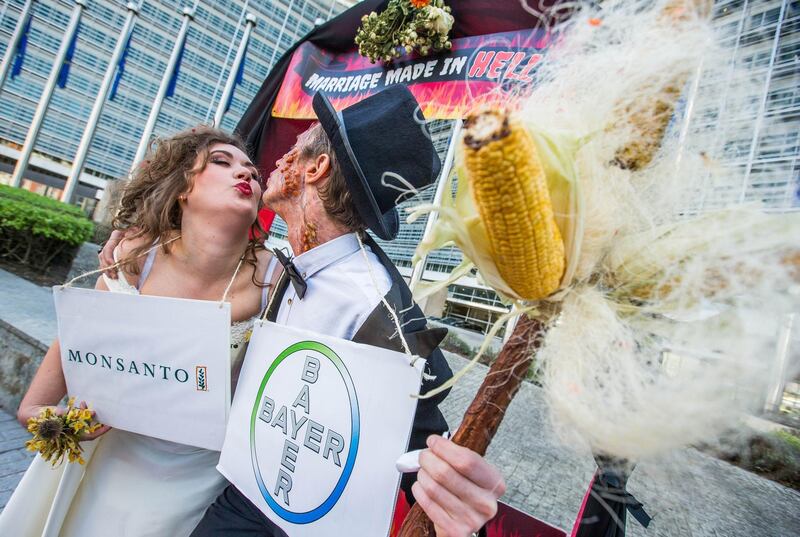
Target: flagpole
[(280, 36), (234, 72), (188, 15), (99, 102), (47, 93), (11, 49), (227, 57), (419, 266)]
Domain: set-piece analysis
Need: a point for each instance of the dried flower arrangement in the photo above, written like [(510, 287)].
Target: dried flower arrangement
[(403, 27)]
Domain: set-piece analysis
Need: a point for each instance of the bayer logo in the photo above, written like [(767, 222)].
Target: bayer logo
[(304, 432)]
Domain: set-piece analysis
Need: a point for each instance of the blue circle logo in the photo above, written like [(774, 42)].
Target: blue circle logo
[(303, 447)]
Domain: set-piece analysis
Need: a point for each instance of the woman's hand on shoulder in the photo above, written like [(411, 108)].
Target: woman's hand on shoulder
[(124, 247), (263, 255), (118, 238), (106, 254)]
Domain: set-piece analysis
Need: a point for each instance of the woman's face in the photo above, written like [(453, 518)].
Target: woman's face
[(229, 184)]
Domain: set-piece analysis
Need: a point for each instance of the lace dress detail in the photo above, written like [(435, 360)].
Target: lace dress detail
[(240, 332)]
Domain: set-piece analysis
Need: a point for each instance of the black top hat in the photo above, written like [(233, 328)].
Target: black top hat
[(385, 151)]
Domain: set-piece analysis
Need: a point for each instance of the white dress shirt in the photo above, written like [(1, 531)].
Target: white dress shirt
[(340, 294)]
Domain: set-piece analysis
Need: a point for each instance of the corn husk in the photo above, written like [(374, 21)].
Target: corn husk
[(668, 312)]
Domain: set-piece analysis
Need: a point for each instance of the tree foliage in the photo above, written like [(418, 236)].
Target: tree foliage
[(39, 232), (20, 194)]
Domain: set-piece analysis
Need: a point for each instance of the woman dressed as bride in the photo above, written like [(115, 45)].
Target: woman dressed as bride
[(192, 204)]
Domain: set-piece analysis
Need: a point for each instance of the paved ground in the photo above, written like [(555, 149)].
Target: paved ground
[(470, 337), (689, 494), (27, 307), (14, 459)]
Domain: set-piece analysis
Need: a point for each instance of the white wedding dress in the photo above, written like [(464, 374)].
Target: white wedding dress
[(131, 486)]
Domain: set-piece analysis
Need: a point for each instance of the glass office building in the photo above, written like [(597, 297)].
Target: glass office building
[(761, 140), (211, 44), (762, 36)]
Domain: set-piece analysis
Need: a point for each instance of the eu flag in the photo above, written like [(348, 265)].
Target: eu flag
[(19, 58), (63, 74), (120, 68), (239, 77), (173, 81)]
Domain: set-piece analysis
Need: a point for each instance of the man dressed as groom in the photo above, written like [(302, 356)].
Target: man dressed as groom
[(329, 188)]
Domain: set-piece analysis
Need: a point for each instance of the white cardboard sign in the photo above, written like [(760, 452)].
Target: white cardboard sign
[(316, 426), (150, 365)]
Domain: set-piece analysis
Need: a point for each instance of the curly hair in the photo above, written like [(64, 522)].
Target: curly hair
[(334, 194), (150, 200)]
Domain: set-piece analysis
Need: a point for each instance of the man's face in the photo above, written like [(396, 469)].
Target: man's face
[(287, 181)]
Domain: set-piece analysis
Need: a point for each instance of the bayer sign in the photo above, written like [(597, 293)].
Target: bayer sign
[(303, 448)]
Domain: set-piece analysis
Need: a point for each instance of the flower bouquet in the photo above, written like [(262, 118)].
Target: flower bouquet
[(56, 435), (403, 27)]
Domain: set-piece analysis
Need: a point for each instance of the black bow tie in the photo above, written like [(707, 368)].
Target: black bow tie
[(290, 270)]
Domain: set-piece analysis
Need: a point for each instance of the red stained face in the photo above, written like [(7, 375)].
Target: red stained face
[(291, 174), (286, 181)]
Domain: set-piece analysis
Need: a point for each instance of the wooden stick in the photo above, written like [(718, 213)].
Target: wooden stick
[(485, 413)]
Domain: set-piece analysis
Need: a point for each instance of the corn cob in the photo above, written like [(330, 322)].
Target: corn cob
[(649, 124), (683, 10), (651, 120), (510, 190)]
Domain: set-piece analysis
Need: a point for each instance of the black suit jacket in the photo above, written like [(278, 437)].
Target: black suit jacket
[(380, 330)]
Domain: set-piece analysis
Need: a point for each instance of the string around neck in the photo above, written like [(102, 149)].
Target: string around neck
[(275, 291), (385, 302), (144, 253), (233, 278), (115, 265)]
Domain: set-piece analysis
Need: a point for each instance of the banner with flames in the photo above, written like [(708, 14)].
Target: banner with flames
[(477, 69)]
